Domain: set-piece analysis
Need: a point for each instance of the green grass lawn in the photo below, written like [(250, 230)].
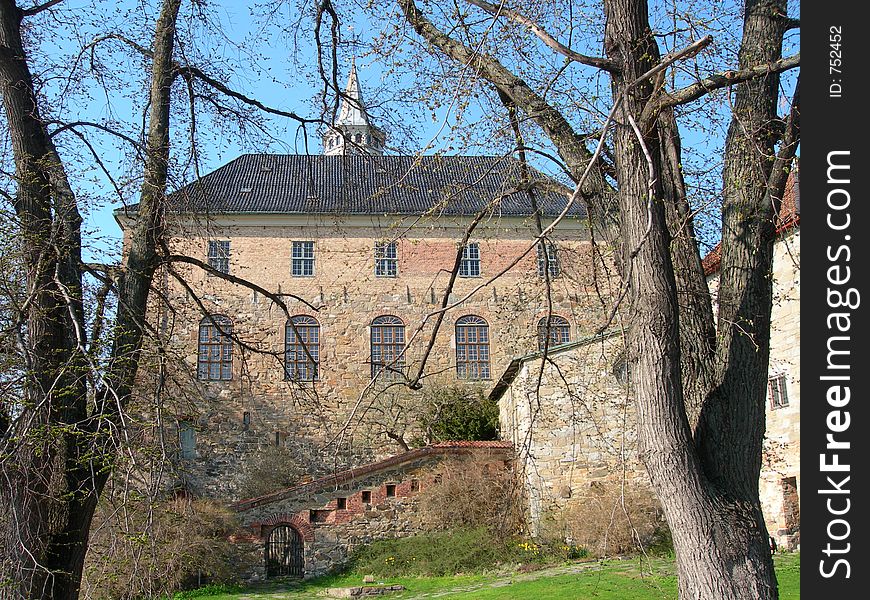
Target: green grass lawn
[(613, 580)]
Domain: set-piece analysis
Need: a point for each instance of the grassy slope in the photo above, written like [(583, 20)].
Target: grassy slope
[(615, 580)]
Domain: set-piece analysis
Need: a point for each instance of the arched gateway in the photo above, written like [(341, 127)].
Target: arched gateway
[(285, 552)]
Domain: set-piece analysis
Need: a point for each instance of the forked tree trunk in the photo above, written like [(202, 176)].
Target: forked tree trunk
[(684, 376), (59, 456), (710, 497)]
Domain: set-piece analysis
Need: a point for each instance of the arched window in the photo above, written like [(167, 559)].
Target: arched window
[(472, 348), (387, 346), (215, 361), (302, 348), (557, 330)]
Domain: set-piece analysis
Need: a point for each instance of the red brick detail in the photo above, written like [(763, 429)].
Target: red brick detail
[(788, 218), (297, 522), (441, 449)]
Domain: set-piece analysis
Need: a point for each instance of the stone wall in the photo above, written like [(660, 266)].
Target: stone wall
[(572, 421), (779, 486), (337, 514), (780, 478), (573, 424), (259, 406)]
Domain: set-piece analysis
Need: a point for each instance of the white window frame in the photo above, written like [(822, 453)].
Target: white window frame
[(302, 258), (386, 259), (469, 266)]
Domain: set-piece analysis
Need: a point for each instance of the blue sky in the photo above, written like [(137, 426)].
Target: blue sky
[(264, 58)]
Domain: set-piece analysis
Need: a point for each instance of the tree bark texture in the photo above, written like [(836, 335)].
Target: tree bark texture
[(63, 454), (700, 393)]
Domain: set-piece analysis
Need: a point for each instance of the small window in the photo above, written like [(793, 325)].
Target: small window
[(341, 503), (391, 490), (246, 420), (776, 390), (366, 497), (620, 370), (280, 438), (469, 266), (302, 349), (318, 516), (219, 255), (548, 260), (472, 348), (415, 485), (386, 259), (187, 439), (302, 259), (215, 360), (388, 347), (555, 330)]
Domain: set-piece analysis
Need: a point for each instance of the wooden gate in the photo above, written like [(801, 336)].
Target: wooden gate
[(285, 552)]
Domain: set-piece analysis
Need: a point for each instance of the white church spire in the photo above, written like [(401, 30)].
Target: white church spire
[(352, 132)]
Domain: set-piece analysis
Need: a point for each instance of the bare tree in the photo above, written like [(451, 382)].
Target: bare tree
[(73, 373), (699, 381)]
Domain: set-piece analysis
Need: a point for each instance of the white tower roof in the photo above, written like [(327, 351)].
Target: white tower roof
[(352, 132)]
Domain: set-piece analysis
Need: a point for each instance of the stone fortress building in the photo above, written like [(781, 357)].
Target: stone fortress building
[(353, 258)]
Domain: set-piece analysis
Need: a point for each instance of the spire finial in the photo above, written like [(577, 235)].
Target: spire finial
[(352, 131)]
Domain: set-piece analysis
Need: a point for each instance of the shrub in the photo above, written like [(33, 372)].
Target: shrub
[(271, 468), (145, 549), (458, 413), (470, 495), (615, 519)]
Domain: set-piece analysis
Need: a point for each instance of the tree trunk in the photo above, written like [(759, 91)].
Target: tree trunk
[(684, 376), (710, 498), (63, 456)]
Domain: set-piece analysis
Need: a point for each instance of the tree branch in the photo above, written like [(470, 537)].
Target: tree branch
[(29, 12), (189, 71), (571, 146), (719, 80), (173, 258), (592, 61)]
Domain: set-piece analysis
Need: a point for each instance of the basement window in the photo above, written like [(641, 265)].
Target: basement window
[(391, 490), (187, 439)]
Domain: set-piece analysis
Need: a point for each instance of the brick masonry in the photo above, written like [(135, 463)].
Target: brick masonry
[(567, 437)]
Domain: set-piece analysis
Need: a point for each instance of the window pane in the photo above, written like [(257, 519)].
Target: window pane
[(387, 346), (472, 348), (215, 351)]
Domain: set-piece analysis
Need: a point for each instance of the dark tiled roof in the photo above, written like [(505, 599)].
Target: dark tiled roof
[(365, 185)]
